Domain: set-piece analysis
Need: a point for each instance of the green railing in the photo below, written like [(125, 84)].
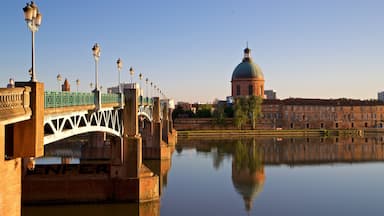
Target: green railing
[(110, 98), (146, 101), (66, 99)]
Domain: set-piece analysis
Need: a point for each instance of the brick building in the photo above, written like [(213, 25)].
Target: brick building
[(303, 113), (300, 113), (247, 78)]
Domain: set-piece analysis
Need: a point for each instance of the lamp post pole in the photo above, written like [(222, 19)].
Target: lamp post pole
[(141, 77), (131, 72), (77, 85), (146, 88), (119, 63), (96, 54), (33, 18), (58, 77)]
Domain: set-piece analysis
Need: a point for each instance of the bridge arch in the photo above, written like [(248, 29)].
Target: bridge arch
[(64, 125)]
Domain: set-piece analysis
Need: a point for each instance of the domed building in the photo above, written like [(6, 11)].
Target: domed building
[(247, 78)]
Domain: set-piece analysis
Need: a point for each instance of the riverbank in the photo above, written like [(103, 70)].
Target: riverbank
[(287, 133)]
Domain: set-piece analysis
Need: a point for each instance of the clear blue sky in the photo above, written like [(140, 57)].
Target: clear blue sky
[(306, 48)]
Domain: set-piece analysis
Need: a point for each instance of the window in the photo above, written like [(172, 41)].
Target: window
[(291, 125), (250, 90), (365, 124), (337, 125), (352, 125), (307, 125), (322, 125), (238, 90)]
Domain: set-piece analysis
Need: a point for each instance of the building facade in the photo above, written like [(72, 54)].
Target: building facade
[(270, 94), (300, 113), (380, 96), (247, 78)]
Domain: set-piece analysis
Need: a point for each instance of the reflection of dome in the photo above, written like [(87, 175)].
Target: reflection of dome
[(247, 184), (247, 68)]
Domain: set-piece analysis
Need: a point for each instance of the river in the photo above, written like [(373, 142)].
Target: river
[(259, 176)]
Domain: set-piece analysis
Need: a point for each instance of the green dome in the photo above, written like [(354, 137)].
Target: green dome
[(247, 69)]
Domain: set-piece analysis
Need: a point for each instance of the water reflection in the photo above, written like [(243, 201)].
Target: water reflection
[(250, 155), (247, 171), (251, 175)]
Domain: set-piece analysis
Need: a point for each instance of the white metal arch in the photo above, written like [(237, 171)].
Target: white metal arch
[(63, 125), (145, 111)]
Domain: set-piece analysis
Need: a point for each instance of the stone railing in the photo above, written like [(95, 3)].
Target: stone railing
[(15, 103)]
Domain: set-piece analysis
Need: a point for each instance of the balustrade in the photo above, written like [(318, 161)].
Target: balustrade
[(14, 102)]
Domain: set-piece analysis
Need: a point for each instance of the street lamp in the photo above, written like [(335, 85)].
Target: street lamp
[(151, 89), (131, 72), (33, 18), (96, 54), (146, 87), (59, 78), (119, 66), (91, 85), (77, 84), (141, 77)]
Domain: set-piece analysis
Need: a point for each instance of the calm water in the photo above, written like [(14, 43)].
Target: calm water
[(274, 176)]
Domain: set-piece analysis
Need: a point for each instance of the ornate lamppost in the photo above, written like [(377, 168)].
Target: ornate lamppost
[(119, 63), (131, 72), (141, 77), (33, 18), (59, 78), (146, 88), (77, 85), (96, 54)]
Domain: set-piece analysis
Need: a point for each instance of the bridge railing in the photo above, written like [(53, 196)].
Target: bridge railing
[(14, 102), (145, 101), (66, 99), (110, 98)]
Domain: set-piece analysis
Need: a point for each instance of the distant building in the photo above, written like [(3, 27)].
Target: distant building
[(247, 78), (304, 113), (270, 94), (115, 89), (380, 96), (308, 113)]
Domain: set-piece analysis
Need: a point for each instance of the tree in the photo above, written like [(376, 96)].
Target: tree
[(247, 108), (219, 114), (239, 111), (254, 109)]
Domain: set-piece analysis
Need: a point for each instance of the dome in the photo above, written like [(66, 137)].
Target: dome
[(247, 68)]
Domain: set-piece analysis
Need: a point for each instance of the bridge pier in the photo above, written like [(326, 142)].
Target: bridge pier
[(172, 137), (21, 120), (156, 148), (133, 181)]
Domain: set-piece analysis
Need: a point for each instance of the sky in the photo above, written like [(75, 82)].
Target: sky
[(189, 48)]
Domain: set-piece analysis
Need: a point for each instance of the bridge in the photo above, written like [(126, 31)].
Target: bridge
[(31, 118)]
